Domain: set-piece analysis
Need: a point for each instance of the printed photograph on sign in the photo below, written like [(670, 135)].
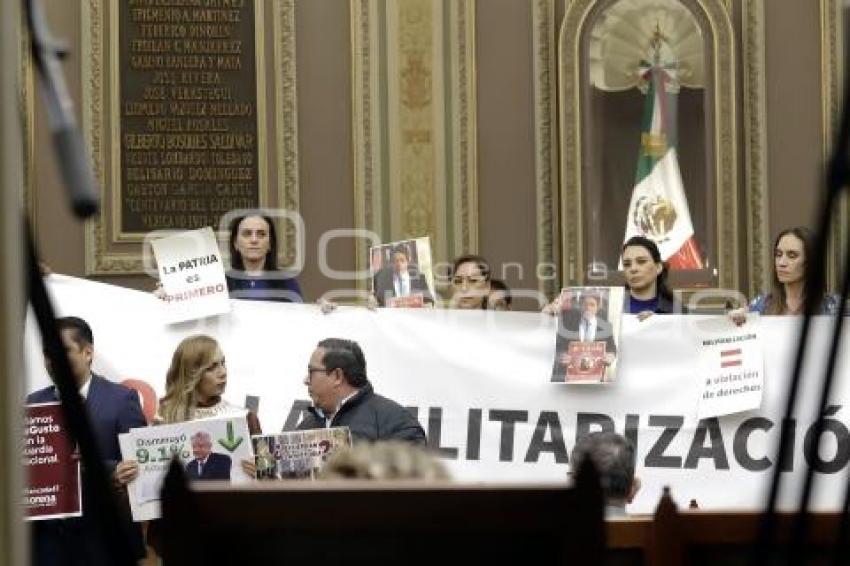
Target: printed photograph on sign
[(208, 449), (297, 454), (402, 274), (588, 335)]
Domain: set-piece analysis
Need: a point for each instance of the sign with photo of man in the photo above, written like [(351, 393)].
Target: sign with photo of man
[(206, 464), (402, 274), (208, 449), (587, 335)]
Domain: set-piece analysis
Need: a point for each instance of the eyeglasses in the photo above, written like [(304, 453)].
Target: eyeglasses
[(311, 370), (459, 280)]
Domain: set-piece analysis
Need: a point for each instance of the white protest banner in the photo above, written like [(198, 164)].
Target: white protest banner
[(191, 271), (479, 382), (209, 449), (54, 489), (732, 365)]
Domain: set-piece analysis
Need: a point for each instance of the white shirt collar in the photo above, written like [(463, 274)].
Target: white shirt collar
[(84, 390), (329, 419)]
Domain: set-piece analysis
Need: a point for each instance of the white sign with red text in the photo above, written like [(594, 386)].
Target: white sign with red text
[(191, 271), (732, 363)]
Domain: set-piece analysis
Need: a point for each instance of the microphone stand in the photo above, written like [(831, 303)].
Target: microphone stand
[(82, 192), (837, 181)]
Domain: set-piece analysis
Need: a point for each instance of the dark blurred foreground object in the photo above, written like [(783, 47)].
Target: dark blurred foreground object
[(105, 538), (363, 522), (694, 537)]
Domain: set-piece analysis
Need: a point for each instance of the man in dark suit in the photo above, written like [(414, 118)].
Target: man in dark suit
[(584, 324), (207, 465), (112, 410), (401, 279)]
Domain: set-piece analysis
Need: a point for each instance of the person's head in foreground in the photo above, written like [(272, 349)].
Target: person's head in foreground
[(389, 460), (614, 458)]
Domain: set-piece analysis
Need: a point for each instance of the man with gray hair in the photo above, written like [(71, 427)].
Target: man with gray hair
[(207, 465), (614, 458)]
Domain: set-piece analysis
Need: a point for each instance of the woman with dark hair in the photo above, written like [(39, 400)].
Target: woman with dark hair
[(789, 290), (254, 273), (470, 282), (646, 279)]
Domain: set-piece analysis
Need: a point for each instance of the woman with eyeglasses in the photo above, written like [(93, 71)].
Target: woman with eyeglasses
[(470, 282)]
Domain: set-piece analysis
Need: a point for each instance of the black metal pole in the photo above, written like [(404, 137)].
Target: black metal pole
[(97, 486), (815, 278)]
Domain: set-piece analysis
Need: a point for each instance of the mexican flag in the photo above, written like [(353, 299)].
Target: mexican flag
[(659, 208)]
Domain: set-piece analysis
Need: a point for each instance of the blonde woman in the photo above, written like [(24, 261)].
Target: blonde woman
[(194, 386), (195, 383)]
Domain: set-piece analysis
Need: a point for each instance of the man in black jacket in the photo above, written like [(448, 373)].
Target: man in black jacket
[(342, 396)]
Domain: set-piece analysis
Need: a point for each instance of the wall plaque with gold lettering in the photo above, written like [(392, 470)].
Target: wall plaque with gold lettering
[(188, 113), (175, 113)]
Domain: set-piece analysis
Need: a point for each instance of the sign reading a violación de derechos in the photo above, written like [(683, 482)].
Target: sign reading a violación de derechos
[(53, 489), (732, 364), (192, 275)]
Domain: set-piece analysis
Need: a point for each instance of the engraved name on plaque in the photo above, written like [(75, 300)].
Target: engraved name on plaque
[(188, 113)]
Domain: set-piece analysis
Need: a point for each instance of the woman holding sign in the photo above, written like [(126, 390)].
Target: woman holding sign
[(646, 281), (195, 383), (789, 289), (254, 272)]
